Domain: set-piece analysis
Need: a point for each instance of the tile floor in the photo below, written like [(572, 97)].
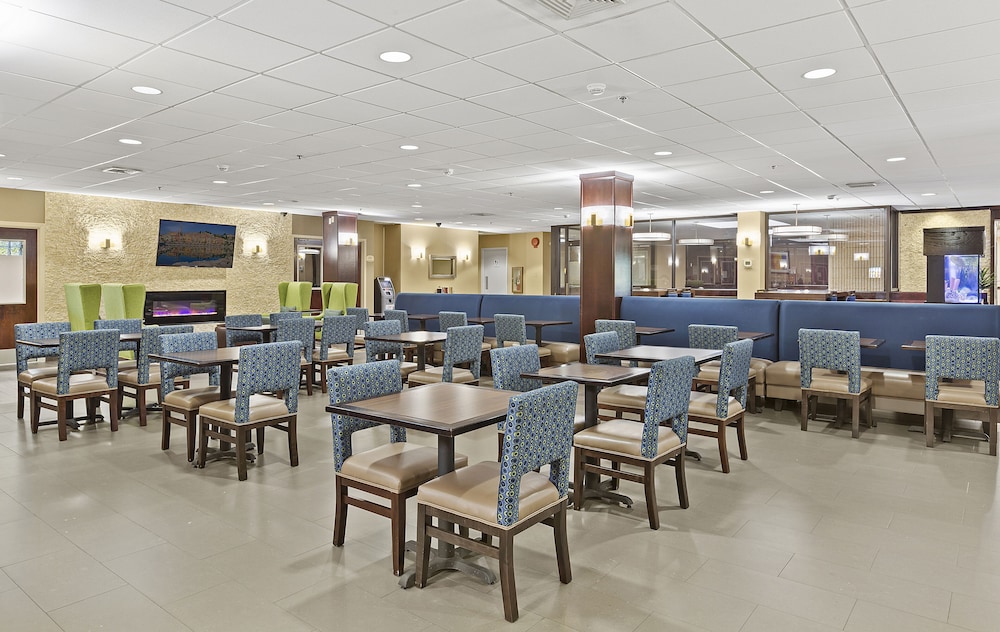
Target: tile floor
[(815, 532)]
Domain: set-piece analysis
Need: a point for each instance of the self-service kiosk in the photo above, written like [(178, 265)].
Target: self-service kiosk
[(385, 295)]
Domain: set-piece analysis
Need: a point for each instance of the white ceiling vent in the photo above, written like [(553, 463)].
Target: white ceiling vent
[(570, 9), (861, 185), (122, 171)]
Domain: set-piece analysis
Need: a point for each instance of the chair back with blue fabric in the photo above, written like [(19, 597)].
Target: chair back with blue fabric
[(234, 338), (447, 320), (509, 328), (275, 318), (963, 358), (338, 330), (178, 343), (734, 374), (80, 350), (352, 383), (603, 342), (624, 328), (464, 345), (361, 314), (510, 362), (375, 349), (711, 336), (151, 345), (268, 368), (36, 331), (399, 315), (123, 325), (301, 330), (668, 397), (538, 431), (830, 349)]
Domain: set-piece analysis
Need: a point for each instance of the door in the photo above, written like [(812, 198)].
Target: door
[(19, 289), (494, 271)]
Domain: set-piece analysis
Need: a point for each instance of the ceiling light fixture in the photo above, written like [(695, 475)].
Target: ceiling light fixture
[(766, 192), (409, 147), (3, 155), (14, 178), (819, 73), (268, 203), (596, 89), (416, 206), (928, 194), (395, 57), (650, 235), (796, 230), (696, 241), (414, 185), (663, 153), (129, 141), (220, 182), (896, 159), (146, 90)]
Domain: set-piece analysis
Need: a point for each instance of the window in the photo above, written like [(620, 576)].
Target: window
[(13, 291)]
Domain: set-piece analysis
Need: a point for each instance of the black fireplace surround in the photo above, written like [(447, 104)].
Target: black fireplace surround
[(184, 307)]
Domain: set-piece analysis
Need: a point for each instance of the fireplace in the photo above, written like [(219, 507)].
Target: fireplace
[(184, 307)]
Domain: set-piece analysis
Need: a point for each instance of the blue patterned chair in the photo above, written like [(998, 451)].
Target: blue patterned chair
[(660, 438), (79, 353), (361, 313), (181, 407), (272, 367), (839, 351), (390, 471), (719, 411), (624, 328), (125, 326), (510, 330), (236, 338), (303, 331), (379, 350), (502, 499), (962, 358), (275, 318), (337, 330), (624, 398), (146, 376), (446, 320), (28, 373), (463, 346), (403, 318), (715, 337)]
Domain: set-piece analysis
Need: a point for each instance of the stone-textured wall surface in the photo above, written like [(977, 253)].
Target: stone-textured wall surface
[(77, 225), (912, 262)]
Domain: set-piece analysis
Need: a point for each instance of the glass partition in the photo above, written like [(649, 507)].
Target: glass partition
[(309, 260), (705, 253), (565, 259)]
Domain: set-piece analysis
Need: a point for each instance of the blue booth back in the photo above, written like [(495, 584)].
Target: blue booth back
[(537, 308), (678, 313), (434, 303)]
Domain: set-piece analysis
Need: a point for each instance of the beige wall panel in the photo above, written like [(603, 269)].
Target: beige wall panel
[(307, 226), (431, 240), (912, 263), (22, 207)]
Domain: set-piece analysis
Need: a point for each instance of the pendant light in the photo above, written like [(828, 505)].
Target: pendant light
[(650, 235), (796, 230), (696, 241)]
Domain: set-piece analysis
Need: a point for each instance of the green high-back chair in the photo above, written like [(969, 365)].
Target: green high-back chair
[(123, 301), (295, 295), (83, 304), (339, 296)]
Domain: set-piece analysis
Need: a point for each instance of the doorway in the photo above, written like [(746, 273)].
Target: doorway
[(19, 291), (494, 267)]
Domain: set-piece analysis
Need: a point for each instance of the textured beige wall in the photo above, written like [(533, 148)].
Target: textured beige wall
[(912, 262), (251, 284)]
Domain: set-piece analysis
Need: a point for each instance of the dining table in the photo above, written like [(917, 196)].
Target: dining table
[(653, 353), (419, 339), (268, 330), (422, 319), (446, 410), (642, 330), (753, 335), (538, 325)]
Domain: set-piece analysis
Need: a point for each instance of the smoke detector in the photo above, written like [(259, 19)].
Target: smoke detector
[(596, 89), (121, 171), (570, 9)]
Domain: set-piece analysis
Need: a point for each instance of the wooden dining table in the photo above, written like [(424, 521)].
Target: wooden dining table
[(269, 329), (539, 324), (446, 410), (419, 339), (653, 353)]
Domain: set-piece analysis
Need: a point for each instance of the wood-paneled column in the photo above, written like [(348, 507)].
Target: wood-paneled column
[(605, 246), (341, 250)]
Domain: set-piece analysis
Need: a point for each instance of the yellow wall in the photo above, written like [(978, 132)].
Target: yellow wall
[(251, 284), (752, 224), (21, 207), (912, 262), (307, 226), (536, 262), (413, 275)]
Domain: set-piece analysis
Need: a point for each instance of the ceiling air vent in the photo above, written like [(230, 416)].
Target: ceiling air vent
[(570, 9), (122, 171), (861, 185)]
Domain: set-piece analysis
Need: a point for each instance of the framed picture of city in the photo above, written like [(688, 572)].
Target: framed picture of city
[(195, 244)]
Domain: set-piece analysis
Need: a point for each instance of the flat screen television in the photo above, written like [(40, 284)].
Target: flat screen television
[(961, 278), (195, 244)]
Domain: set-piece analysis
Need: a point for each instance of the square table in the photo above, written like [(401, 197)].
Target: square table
[(269, 329), (447, 410), (872, 343), (539, 324), (422, 319), (753, 335), (915, 345), (481, 320), (651, 331), (652, 353), (418, 338)]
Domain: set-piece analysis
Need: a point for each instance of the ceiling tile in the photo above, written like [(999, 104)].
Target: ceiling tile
[(950, 75), (274, 19), (940, 47), (701, 61), (897, 19), (300, 122), (763, 105), (404, 125), (236, 46), (806, 38), (465, 79), (476, 27), (855, 90), (523, 99), (68, 39), (458, 113), (543, 59), (331, 75), (849, 64), (725, 18), (365, 52), (401, 95), (738, 85), (157, 22), (120, 83), (274, 92), (47, 66), (222, 105), (392, 11), (617, 82), (184, 69), (347, 110), (640, 34)]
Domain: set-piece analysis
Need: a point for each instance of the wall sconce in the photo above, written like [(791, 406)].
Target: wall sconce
[(255, 245), (748, 241), (347, 239), (420, 254), (256, 249), (107, 244), (467, 255), (104, 240), (628, 221)]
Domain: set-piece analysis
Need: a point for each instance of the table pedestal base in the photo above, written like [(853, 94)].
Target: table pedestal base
[(456, 560), (603, 490)]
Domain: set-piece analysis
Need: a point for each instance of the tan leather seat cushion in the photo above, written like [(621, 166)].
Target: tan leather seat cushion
[(624, 437), (703, 405), (434, 373), (396, 466), (966, 393), (126, 365), (543, 352), (472, 491), (405, 368), (624, 395), (261, 407), (131, 377), (579, 423), (335, 355), (786, 373), (895, 382), (834, 383), (79, 384), (191, 398), (30, 375), (563, 352)]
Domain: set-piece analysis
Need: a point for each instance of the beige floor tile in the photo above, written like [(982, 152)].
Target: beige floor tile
[(753, 555), (547, 625), (231, 606), (109, 536), (950, 578), (189, 528), (6, 583), (328, 608), (21, 613), (974, 614), (28, 538), (177, 574), (11, 510), (61, 578), (121, 610), (583, 608), (766, 619), (869, 617), (856, 554), (663, 623)]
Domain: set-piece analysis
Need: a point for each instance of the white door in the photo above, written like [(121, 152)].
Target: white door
[(494, 267)]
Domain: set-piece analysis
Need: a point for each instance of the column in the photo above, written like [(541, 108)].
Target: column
[(751, 269)]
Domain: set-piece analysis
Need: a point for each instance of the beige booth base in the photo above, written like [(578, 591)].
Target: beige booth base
[(893, 390)]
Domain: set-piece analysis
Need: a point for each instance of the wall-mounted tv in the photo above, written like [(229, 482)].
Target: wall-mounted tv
[(961, 278), (195, 244)]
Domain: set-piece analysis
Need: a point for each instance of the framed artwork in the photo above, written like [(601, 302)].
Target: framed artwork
[(517, 280)]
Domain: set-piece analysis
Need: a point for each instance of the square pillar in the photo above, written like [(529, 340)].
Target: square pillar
[(605, 245)]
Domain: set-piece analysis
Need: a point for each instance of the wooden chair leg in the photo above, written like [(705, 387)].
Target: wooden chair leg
[(507, 586), (681, 475), (191, 432), (649, 483), (293, 442), (992, 422), (423, 547), (121, 400), (113, 410), (260, 440), (562, 545), (340, 512), (241, 453), (578, 476), (856, 418), (165, 432), (36, 411), (804, 421), (61, 419), (397, 510), (20, 402), (140, 401), (723, 448), (202, 443), (741, 437)]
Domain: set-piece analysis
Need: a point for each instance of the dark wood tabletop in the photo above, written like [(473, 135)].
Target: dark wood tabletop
[(598, 374), (269, 329), (54, 342), (224, 358), (422, 319), (652, 331), (539, 324), (872, 343), (652, 353), (481, 320), (754, 335), (419, 338), (915, 345)]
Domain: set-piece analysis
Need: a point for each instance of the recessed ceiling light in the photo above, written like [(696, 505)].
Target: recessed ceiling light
[(766, 192), (268, 203), (146, 90), (457, 222), (414, 185), (418, 219), (129, 141), (14, 178), (557, 208), (928, 194), (896, 159), (408, 147), (3, 155), (819, 73), (534, 220), (416, 206), (663, 153), (395, 57), (220, 182)]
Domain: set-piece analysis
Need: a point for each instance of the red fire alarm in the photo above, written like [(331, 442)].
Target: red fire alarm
[(534, 242)]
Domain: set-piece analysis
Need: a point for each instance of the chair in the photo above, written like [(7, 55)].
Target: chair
[(264, 368), (840, 351), (361, 313), (510, 329), (83, 303), (295, 295), (79, 353), (275, 318), (464, 345), (146, 375), (715, 337), (123, 301), (723, 410), (624, 398), (237, 338), (502, 499), (625, 330), (185, 403), (643, 445), (302, 331), (26, 374), (337, 330), (379, 350), (452, 319), (962, 358), (390, 471), (339, 296), (399, 315), (124, 326)]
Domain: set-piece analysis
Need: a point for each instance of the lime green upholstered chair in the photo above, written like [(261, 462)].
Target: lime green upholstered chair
[(295, 295), (135, 299), (83, 303), (113, 297), (282, 292), (339, 296)]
